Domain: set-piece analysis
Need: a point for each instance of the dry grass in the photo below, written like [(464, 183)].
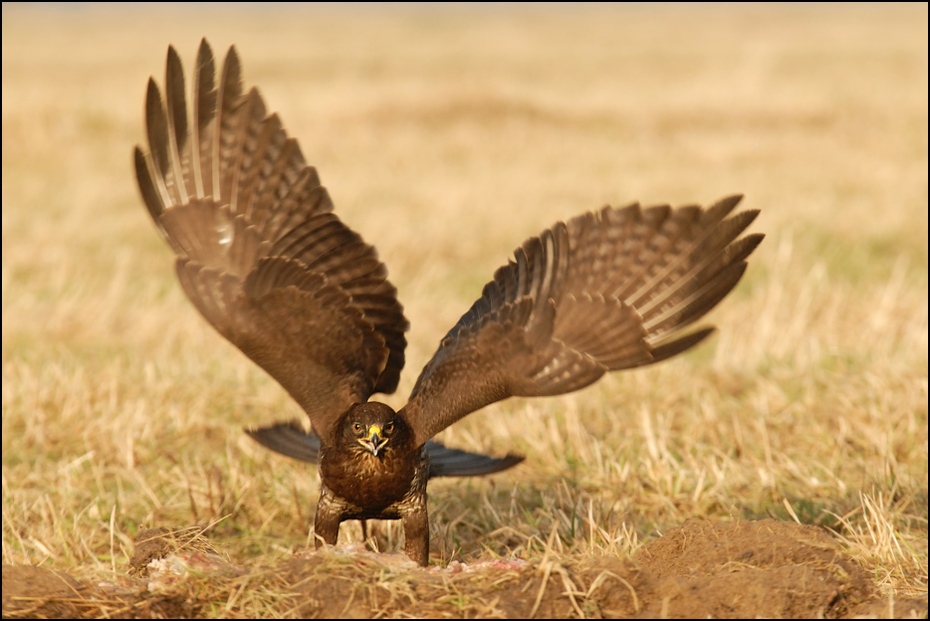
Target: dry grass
[(446, 138)]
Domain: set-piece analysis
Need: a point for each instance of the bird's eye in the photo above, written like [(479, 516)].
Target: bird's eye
[(388, 428), (356, 427)]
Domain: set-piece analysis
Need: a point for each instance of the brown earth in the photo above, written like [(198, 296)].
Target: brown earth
[(733, 569)]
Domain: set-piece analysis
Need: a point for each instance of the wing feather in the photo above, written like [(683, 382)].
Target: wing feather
[(178, 137), (226, 123), (150, 194), (204, 115), (156, 124)]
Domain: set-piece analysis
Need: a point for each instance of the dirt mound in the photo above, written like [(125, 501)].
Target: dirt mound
[(733, 569), (752, 569)]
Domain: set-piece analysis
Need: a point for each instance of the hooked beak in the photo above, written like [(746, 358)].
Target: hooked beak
[(374, 442)]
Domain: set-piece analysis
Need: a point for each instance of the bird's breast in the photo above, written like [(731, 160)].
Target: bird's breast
[(369, 482)]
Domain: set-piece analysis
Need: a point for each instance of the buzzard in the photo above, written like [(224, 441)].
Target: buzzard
[(265, 260)]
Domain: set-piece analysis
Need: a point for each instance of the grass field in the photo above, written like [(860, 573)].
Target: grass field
[(446, 137)]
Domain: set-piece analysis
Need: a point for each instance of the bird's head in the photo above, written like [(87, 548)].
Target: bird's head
[(372, 427)]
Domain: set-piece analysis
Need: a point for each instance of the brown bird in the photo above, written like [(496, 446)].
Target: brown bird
[(267, 263)]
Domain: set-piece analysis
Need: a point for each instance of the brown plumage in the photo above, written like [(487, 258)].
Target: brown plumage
[(265, 261)]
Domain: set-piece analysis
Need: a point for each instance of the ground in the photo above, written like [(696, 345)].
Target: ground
[(729, 570)]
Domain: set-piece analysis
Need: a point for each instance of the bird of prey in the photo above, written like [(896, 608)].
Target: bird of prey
[(266, 262)]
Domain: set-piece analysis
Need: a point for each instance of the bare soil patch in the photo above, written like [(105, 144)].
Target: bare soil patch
[(725, 569)]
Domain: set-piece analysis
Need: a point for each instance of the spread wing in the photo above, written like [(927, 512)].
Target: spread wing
[(604, 292), (259, 251), (290, 439)]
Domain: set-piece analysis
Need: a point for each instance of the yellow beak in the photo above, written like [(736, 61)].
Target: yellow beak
[(374, 442)]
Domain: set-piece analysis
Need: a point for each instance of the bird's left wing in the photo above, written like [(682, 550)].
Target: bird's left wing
[(606, 291)]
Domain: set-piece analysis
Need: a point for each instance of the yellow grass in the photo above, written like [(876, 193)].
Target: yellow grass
[(446, 137)]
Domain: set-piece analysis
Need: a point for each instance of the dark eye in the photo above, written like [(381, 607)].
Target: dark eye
[(389, 427), (357, 426)]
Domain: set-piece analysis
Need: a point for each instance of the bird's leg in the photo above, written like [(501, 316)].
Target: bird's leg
[(328, 517), (365, 532), (416, 533)]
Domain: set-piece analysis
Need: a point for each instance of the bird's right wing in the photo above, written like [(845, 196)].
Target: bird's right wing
[(291, 440), (606, 291), (259, 251)]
